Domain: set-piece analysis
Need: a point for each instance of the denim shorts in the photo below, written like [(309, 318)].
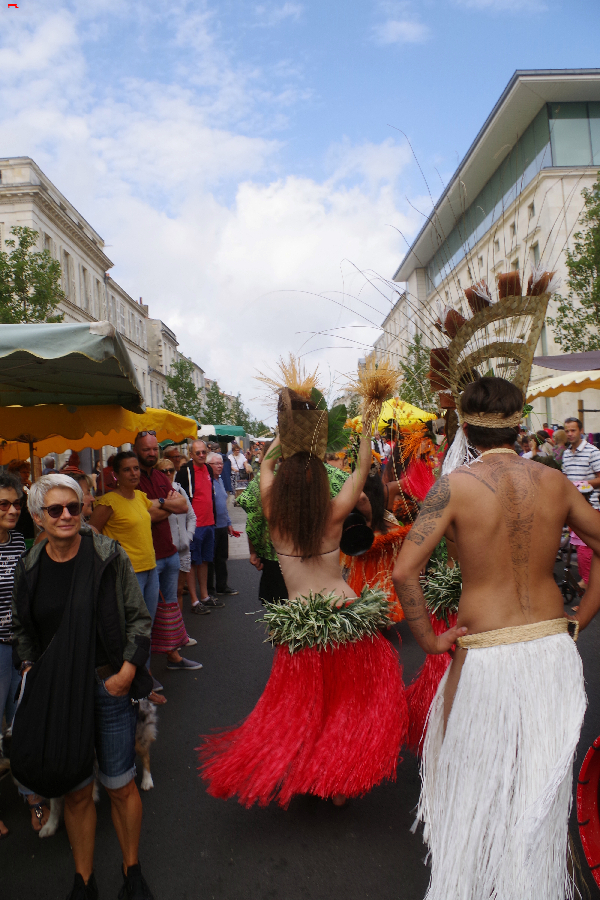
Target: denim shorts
[(202, 547), (115, 724), (116, 720)]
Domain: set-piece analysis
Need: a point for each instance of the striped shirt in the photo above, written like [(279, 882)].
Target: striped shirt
[(582, 464), (10, 554)]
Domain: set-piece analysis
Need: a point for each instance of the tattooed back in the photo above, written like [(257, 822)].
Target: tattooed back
[(505, 515)]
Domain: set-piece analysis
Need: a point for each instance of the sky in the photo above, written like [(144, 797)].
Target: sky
[(248, 163)]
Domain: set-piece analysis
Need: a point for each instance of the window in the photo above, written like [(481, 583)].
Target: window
[(48, 243), (122, 317), (570, 134), (513, 230), (531, 211), (66, 267), (497, 246), (514, 266), (448, 297), (535, 252), (480, 262), (85, 296)]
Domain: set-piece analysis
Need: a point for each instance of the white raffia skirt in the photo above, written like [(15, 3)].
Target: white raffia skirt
[(496, 789)]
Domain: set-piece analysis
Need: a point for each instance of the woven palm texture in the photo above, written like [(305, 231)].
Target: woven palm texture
[(301, 430)]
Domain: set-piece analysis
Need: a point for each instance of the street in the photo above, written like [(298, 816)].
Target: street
[(196, 848)]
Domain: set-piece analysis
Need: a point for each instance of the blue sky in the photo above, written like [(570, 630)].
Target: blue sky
[(238, 157)]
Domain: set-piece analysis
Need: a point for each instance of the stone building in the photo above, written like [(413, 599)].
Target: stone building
[(514, 199), (28, 197)]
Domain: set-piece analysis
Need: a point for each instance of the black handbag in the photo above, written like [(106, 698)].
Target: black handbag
[(52, 748)]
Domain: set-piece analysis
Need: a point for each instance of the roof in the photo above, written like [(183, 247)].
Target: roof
[(525, 94)]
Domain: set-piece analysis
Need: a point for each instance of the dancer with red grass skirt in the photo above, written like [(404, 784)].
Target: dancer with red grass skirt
[(333, 717)]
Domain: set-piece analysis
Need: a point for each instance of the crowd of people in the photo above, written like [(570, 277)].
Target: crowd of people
[(350, 530), (136, 538)]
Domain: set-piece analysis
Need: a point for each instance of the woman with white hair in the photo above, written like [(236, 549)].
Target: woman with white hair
[(82, 635)]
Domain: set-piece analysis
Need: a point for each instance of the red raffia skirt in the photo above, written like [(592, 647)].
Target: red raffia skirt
[(423, 688), (328, 722)]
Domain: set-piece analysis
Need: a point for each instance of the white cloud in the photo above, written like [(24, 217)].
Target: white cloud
[(239, 259), (401, 31), (501, 6), (271, 15)]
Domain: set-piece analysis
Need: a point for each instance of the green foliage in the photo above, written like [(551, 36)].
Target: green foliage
[(239, 415), (183, 396), (315, 621), (577, 321), (416, 387), (215, 409), (337, 435), (443, 589), (30, 290)]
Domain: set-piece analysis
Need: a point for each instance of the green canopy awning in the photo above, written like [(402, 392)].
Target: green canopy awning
[(84, 364), (232, 430)]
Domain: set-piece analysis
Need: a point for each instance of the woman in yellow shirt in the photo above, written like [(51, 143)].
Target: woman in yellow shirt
[(124, 514)]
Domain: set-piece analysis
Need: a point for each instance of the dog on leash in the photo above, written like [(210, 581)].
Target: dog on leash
[(145, 735)]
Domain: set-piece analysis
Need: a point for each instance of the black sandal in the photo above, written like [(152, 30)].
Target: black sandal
[(38, 809)]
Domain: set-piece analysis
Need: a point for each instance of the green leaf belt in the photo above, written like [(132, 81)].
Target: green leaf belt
[(315, 621)]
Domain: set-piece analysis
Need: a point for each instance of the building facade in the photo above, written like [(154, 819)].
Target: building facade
[(28, 198), (515, 200)]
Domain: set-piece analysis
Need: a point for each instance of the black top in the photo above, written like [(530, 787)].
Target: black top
[(51, 595)]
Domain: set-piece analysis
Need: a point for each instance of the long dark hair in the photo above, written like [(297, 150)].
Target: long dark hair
[(374, 490), (298, 503)]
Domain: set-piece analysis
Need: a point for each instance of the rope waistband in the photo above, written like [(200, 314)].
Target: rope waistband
[(518, 634)]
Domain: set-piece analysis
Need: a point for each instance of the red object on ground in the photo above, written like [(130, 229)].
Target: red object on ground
[(588, 817), (422, 690), (328, 722)]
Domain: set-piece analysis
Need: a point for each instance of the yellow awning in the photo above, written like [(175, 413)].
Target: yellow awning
[(567, 382), (403, 413), (54, 429)]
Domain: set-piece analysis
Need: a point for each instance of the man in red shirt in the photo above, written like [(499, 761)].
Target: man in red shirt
[(196, 478), (157, 486)]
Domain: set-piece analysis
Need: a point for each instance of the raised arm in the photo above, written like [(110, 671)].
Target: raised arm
[(585, 522), (267, 474), (346, 500), (433, 520)]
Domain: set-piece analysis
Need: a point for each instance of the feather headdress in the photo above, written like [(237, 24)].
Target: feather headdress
[(499, 339)]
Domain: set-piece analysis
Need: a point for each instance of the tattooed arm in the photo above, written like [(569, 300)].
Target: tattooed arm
[(433, 520)]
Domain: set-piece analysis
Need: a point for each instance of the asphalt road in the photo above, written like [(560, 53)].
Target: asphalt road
[(198, 848)]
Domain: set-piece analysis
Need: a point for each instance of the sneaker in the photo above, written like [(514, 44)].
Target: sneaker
[(229, 591), (200, 609), (184, 664), (156, 685), (212, 602), (191, 642), (83, 891), (134, 885)]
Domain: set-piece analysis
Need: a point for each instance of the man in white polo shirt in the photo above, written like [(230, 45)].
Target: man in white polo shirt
[(581, 461)]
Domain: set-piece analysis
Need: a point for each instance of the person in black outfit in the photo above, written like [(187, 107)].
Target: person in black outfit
[(81, 641)]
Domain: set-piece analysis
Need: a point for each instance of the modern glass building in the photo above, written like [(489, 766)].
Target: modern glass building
[(561, 135), (514, 199)]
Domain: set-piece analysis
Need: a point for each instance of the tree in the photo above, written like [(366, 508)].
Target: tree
[(215, 409), (239, 415), (416, 387), (577, 320), (183, 396), (30, 288)]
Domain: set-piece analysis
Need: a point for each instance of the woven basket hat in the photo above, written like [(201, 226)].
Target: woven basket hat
[(301, 430)]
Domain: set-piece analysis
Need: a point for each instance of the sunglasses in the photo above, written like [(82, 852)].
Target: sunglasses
[(142, 434), (5, 505), (168, 471), (55, 510)]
